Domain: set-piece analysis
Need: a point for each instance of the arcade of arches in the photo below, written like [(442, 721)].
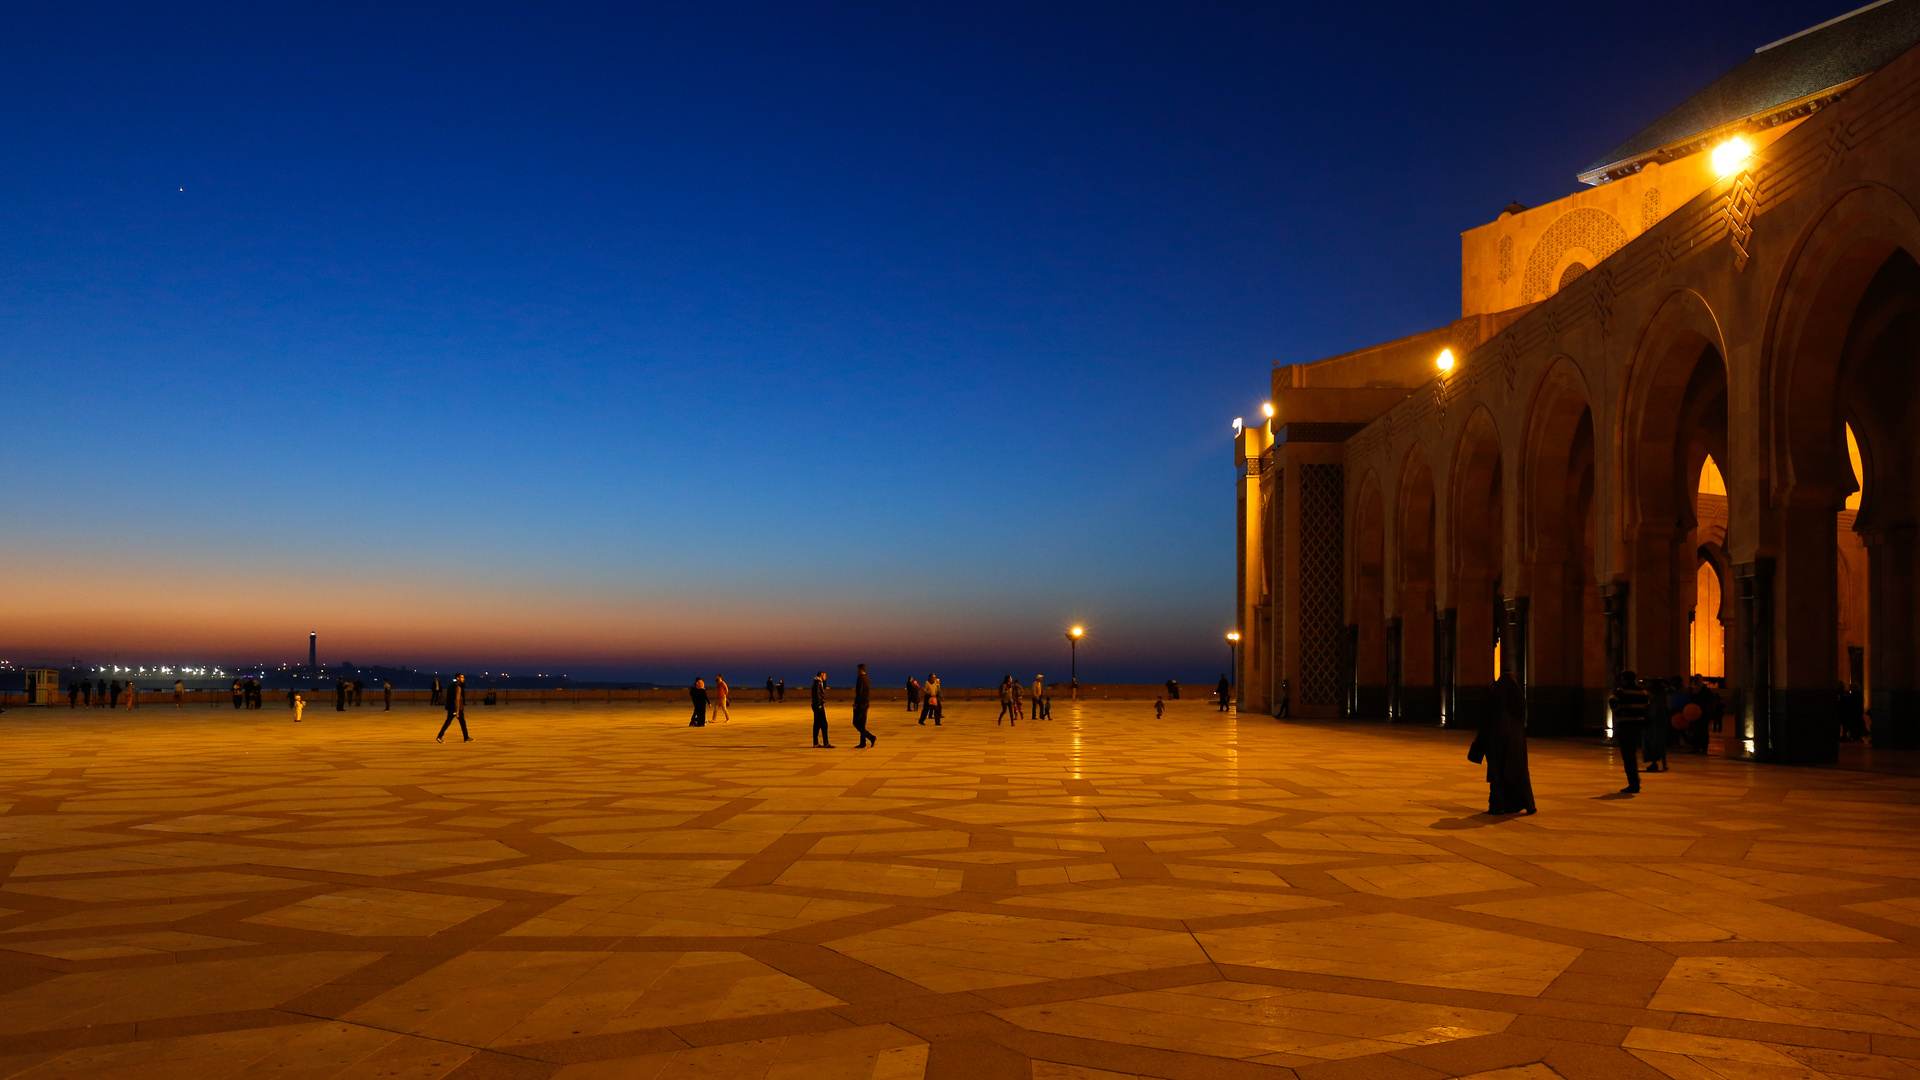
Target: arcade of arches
[(1671, 434)]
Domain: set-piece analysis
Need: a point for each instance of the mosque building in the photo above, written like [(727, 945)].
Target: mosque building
[(1672, 431)]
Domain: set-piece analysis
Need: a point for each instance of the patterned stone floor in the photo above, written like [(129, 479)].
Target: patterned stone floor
[(601, 892)]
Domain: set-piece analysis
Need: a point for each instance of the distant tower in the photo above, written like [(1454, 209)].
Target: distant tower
[(313, 649)]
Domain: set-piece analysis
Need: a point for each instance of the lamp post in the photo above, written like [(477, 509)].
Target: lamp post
[(1073, 651), (1233, 659)]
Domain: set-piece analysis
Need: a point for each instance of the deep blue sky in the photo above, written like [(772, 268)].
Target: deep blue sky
[(645, 338)]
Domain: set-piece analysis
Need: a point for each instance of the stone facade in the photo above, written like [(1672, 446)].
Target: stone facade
[(1549, 504)]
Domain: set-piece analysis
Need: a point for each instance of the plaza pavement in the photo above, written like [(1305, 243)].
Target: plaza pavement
[(601, 892)]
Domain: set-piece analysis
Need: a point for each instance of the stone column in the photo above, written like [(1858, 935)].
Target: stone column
[(1891, 657)]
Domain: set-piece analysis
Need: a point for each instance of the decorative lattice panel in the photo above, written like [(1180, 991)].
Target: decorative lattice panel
[(1276, 555), (1587, 229), (1322, 505)]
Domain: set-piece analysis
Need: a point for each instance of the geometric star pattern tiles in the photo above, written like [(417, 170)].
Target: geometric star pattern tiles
[(594, 891)]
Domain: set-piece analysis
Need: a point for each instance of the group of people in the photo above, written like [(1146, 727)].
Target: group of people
[(102, 694), (716, 698), (1646, 714), (354, 692), (246, 693), (1039, 705)]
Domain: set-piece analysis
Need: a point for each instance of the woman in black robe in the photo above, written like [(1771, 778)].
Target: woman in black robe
[(1503, 739)]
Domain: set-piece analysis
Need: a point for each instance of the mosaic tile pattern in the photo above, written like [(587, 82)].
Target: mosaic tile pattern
[(601, 892)]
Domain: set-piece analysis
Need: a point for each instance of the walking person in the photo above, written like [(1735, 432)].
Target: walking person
[(73, 694), (720, 693), (913, 693), (113, 694), (1225, 691), (1629, 705), (133, 695), (179, 694), (862, 695), (1045, 711), (1006, 700), (820, 712), (1502, 743), (931, 703), (359, 692), (339, 694), (769, 689), (386, 691), (697, 693), (1286, 698), (1159, 708), (456, 701)]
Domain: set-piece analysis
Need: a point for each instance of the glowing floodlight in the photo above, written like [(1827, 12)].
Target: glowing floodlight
[(1268, 409), (1730, 155), (1233, 635), (1445, 361)]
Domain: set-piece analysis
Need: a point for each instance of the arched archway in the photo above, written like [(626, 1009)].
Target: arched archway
[(1413, 688), (1564, 660), (1675, 418), (1847, 508), (1476, 545), (1368, 695)]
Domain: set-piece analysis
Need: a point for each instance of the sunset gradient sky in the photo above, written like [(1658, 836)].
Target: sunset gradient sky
[(635, 340)]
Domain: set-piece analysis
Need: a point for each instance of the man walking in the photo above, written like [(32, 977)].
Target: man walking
[(456, 696), (1629, 705), (862, 694), (1225, 690), (386, 691), (1007, 712), (769, 689), (179, 694), (820, 712)]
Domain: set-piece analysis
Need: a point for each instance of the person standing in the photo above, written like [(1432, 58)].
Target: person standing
[(780, 691), (73, 694), (237, 694), (1502, 741), (133, 695), (386, 691), (1629, 705), (435, 698), (456, 701), (179, 694), (359, 692), (339, 693), (1225, 690), (930, 702), (1034, 696), (1653, 738), (862, 696), (113, 694), (720, 693), (299, 705), (697, 693), (820, 712), (1286, 699), (913, 693), (1173, 689), (769, 689)]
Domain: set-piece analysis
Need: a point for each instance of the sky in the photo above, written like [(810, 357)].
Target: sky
[(646, 340)]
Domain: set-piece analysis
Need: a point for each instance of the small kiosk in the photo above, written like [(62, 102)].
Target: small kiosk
[(43, 686)]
